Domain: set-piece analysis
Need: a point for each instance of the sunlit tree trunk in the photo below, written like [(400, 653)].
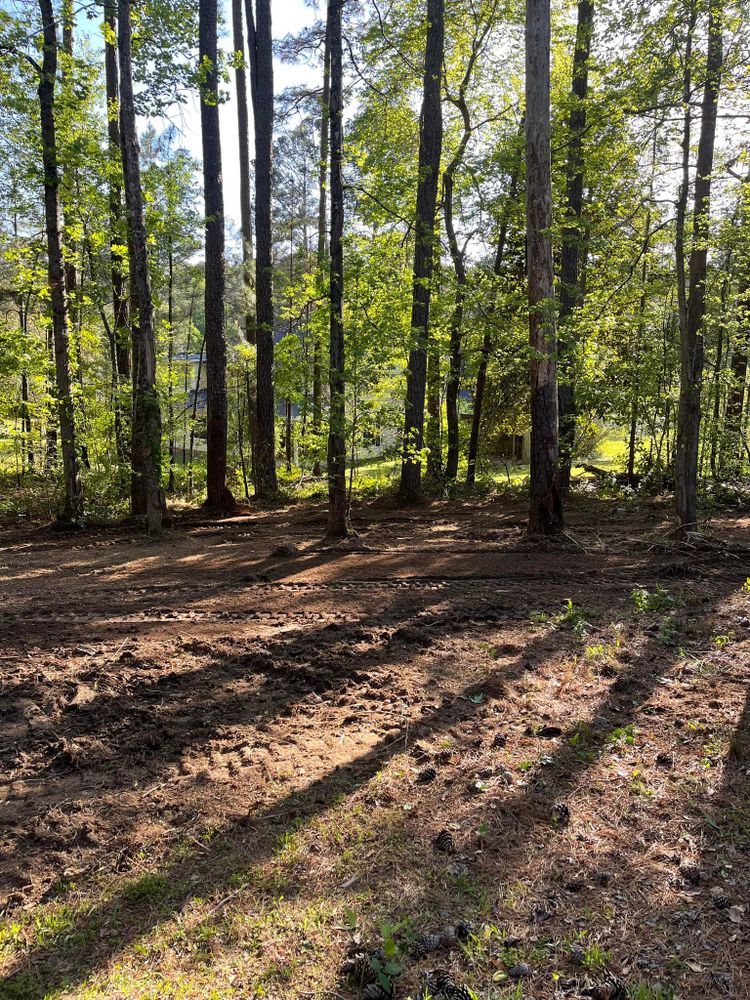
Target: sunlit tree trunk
[(337, 519), (246, 203), (546, 515), (72, 504), (219, 496), (260, 45), (146, 409), (430, 149), (692, 346), (121, 333)]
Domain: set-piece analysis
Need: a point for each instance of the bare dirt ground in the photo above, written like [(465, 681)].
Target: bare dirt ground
[(222, 768)]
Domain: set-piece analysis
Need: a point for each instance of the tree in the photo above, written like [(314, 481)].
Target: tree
[(148, 493), (72, 507), (325, 111), (120, 336), (546, 514), (573, 238), (246, 203), (260, 46), (692, 334), (219, 496), (430, 149), (337, 519)]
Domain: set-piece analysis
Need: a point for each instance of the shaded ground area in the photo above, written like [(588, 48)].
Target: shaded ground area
[(212, 754)]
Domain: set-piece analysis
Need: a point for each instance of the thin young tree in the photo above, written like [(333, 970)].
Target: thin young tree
[(337, 514), (571, 293), (219, 496), (546, 512), (146, 429), (71, 510), (691, 340), (430, 150), (260, 47)]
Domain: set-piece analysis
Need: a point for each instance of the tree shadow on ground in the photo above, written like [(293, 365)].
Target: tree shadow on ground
[(246, 843)]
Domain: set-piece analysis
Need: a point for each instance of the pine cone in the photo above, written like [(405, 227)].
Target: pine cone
[(445, 842), (464, 932), (665, 760), (612, 988), (425, 777), (426, 945), (722, 902), (359, 969), (691, 872), (377, 992), (440, 981), (560, 814), (459, 993), (499, 741)]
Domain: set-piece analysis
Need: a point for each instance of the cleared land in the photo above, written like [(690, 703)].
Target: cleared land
[(214, 756)]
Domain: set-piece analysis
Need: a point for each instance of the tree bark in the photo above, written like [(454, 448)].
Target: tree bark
[(71, 510), (546, 513), (430, 149), (692, 346), (325, 111), (246, 206), (219, 496), (337, 513), (120, 331), (260, 45), (146, 409), (571, 296)]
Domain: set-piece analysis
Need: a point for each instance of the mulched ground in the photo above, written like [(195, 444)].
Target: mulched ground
[(225, 757)]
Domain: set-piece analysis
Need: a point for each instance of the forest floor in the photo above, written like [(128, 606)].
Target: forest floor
[(225, 756)]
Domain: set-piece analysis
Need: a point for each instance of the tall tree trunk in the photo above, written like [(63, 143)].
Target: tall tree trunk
[(546, 514), (72, 505), (246, 203), (219, 496), (146, 409), (325, 110), (260, 45), (121, 333), (692, 347), (430, 149), (571, 296), (682, 198), (337, 519)]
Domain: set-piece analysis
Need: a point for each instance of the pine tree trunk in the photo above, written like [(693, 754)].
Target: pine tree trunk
[(325, 109), (692, 346), (121, 333), (260, 45), (337, 514), (146, 409), (546, 515), (430, 149), (72, 504), (571, 296), (219, 496), (246, 202)]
